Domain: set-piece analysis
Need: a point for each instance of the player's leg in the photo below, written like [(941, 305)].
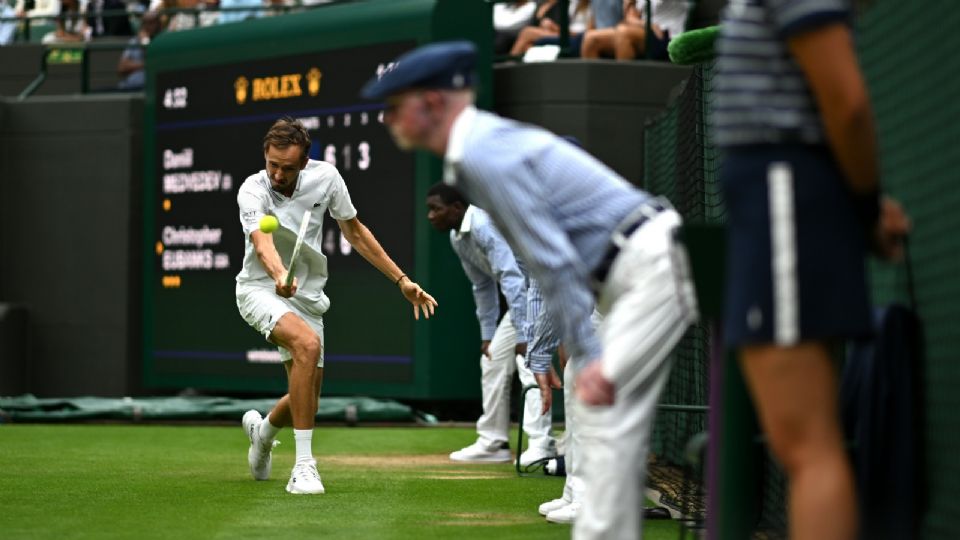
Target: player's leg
[(795, 390), (303, 343), (261, 308), (296, 336), (496, 368), (280, 416)]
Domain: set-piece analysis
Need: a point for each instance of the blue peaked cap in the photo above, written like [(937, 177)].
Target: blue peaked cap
[(443, 65)]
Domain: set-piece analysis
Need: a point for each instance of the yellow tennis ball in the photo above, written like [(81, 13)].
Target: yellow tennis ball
[(268, 224)]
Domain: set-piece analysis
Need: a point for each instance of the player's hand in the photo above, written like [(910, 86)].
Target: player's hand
[(419, 298), (892, 228), (283, 290), (485, 348), (562, 355), (592, 387), (547, 382), (520, 349)]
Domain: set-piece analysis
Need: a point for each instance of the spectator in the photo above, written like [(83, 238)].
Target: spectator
[(237, 16), (547, 29), (8, 29), (279, 7), (509, 18), (41, 8), (108, 25), (184, 19), (132, 61), (607, 14), (209, 12), (669, 19), (71, 28)]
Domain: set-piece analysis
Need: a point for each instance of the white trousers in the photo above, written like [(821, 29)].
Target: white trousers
[(648, 302), (496, 376), (573, 486)]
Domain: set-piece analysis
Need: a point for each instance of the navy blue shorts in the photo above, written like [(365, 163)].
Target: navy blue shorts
[(796, 254)]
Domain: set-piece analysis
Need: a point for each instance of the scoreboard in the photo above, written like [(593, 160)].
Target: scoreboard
[(206, 119)]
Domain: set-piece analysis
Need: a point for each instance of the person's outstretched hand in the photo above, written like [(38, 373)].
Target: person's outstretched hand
[(420, 299)]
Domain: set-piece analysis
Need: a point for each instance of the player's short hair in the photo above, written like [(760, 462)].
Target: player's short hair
[(447, 193), (287, 132)]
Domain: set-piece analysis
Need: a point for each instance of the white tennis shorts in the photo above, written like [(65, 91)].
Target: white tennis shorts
[(262, 308)]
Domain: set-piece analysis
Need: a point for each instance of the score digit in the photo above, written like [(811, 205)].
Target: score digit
[(330, 155), (364, 149), (175, 98)]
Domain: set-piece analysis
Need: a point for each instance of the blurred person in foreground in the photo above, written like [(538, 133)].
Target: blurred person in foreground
[(801, 183), (578, 226)]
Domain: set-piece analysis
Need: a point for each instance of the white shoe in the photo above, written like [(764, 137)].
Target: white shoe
[(260, 454), (550, 506), (564, 514), (305, 480), (535, 454), (481, 453)]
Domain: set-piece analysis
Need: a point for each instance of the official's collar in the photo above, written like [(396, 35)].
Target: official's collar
[(456, 142), (465, 225)]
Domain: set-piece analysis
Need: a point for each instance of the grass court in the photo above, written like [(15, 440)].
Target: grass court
[(151, 481)]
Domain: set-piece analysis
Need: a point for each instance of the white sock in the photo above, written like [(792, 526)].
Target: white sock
[(268, 431), (304, 440)]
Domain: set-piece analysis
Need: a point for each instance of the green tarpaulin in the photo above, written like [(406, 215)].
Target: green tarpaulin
[(27, 408)]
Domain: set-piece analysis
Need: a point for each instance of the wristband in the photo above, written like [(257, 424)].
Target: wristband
[(397, 283)]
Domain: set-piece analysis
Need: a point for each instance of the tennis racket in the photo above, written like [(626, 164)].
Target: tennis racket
[(296, 248)]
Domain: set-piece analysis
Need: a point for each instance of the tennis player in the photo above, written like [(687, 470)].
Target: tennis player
[(291, 317)]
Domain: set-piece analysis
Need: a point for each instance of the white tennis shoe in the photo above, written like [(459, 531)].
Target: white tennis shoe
[(564, 514), (260, 454), (305, 480), (550, 506), (481, 453), (534, 454)]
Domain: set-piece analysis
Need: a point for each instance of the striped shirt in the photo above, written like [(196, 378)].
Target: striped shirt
[(488, 260), (541, 333), (555, 204), (761, 93)]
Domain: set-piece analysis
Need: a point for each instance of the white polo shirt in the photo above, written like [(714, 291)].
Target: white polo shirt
[(320, 188)]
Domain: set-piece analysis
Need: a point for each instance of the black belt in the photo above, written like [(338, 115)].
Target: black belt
[(628, 226)]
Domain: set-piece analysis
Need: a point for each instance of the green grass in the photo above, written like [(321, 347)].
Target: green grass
[(109, 481)]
